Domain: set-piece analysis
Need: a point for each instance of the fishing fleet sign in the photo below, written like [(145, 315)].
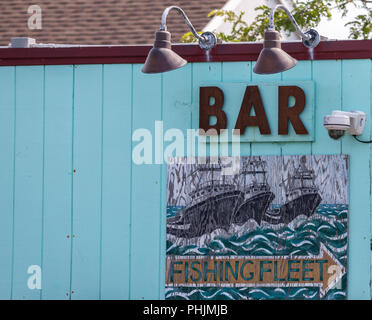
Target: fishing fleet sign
[(276, 229)]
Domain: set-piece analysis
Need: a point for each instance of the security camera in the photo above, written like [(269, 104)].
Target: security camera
[(340, 121)]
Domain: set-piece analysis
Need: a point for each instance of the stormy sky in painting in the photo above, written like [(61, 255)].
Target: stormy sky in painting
[(330, 172)]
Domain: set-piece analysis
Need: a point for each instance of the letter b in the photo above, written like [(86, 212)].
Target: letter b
[(206, 110), (223, 309)]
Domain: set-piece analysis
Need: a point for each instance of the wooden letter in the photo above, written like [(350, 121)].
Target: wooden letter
[(252, 98), (206, 110), (291, 114)]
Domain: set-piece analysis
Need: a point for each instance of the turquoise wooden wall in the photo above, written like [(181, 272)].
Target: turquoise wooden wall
[(72, 201)]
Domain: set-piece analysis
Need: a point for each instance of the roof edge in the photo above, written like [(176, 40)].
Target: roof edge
[(326, 50)]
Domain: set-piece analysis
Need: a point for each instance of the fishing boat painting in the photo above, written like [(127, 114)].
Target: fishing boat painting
[(276, 228)]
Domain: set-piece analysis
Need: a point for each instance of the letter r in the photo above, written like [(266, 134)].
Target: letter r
[(291, 114)]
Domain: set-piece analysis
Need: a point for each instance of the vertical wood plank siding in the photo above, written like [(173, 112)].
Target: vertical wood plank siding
[(73, 202)]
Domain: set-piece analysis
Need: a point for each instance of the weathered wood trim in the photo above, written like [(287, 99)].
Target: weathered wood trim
[(345, 49)]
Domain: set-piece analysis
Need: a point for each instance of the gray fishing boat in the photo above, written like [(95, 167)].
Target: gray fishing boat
[(257, 194), (302, 197), (211, 206), (216, 203)]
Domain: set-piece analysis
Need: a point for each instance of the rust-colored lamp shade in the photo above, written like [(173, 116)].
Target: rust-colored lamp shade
[(161, 57), (272, 58)]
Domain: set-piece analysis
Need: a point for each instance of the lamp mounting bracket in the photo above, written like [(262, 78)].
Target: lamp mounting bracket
[(309, 38), (207, 40)]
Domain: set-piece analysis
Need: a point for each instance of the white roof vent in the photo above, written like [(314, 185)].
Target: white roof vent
[(22, 42)]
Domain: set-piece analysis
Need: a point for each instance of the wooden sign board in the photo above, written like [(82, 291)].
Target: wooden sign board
[(275, 229)]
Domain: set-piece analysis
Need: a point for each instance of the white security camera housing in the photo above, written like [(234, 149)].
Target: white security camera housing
[(340, 121)]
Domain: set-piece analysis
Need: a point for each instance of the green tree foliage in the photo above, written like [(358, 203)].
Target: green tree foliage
[(361, 27), (307, 13)]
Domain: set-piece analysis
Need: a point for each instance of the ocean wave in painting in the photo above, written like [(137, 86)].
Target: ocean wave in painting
[(241, 293)]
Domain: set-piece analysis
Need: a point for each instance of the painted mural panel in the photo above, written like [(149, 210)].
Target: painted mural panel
[(275, 227)]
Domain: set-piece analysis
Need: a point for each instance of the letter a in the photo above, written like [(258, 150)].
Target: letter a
[(252, 98)]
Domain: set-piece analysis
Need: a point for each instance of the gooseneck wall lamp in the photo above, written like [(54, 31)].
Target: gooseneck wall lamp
[(161, 57), (272, 58)]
